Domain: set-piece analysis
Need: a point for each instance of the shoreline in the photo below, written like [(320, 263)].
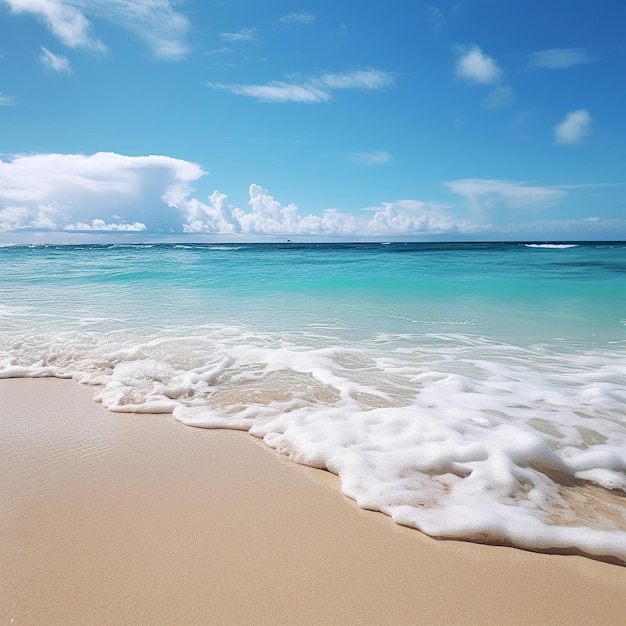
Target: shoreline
[(111, 518)]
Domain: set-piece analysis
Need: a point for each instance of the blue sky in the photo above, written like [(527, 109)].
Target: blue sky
[(312, 120)]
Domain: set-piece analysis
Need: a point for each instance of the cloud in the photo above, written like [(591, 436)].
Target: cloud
[(375, 157), (476, 67), (6, 101), (437, 18), (65, 21), (559, 58), (297, 18), (102, 226), (315, 89), (500, 98), (501, 196), (268, 217), (414, 218), (152, 196), (574, 128), (55, 62), (61, 191), (162, 28), (245, 34), (156, 22)]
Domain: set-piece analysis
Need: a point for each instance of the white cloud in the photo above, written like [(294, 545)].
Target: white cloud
[(437, 18), (55, 62), (156, 22), (574, 128), (64, 20), (500, 98), (245, 34), (315, 89), (102, 226), (414, 218), (83, 196), (476, 67), (375, 157), (501, 196), (559, 58), (297, 18), (276, 92), (60, 190), (6, 101), (267, 216)]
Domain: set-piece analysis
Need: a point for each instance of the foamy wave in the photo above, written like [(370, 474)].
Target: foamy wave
[(457, 436), (552, 245)]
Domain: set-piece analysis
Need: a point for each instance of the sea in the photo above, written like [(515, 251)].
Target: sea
[(474, 391)]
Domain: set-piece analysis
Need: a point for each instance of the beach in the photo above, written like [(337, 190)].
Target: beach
[(125, 518)]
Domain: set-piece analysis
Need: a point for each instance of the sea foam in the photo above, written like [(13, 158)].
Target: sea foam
[(459, 434)]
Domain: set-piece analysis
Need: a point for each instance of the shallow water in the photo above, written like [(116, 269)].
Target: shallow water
[(469, 390)]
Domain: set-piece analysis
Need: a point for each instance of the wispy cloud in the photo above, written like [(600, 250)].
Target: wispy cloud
[(242, 35), (374, 157), (574, 128), (494, 196), (315, 89), (437, 18), (63, 19), (477, 67), (156, 22), (297, 18), (500, 98), (6, 101), (276, 92), (55, 62), (559, 58)]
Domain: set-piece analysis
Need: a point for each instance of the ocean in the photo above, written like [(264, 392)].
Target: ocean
[(472, 391)]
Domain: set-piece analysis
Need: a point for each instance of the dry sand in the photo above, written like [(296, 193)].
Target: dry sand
[(136, 519)]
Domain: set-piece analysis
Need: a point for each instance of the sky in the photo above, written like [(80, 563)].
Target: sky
[(312, 120)]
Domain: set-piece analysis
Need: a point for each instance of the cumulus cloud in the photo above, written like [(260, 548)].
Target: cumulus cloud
[(414, 218), (477, 67), (55, 62), (102, 226), (574, 128), (156, 22), (267, 216), (108, 193), (374, 157), (297, 18), (559, 58), (314, 89), (501, 196), (59, 191)]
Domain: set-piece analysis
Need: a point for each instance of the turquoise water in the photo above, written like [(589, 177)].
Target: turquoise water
[(448, 385)]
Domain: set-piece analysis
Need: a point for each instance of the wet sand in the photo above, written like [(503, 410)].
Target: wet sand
[(136, 519)]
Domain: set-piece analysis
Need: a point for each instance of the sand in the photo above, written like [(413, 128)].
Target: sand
[(136, 519)]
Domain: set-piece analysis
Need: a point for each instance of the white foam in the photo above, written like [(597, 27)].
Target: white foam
[(556, 246), (452, 434)]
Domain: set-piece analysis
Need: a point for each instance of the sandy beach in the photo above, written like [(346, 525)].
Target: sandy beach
[(137, 519)]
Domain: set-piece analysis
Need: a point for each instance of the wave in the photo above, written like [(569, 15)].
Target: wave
[(457, 436), (552, 245)]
